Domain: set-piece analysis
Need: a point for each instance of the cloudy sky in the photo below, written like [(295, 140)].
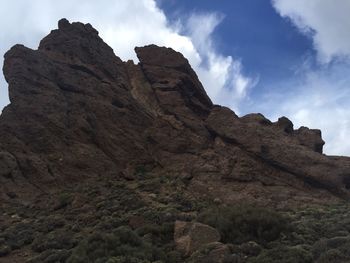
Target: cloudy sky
[(277, 57)]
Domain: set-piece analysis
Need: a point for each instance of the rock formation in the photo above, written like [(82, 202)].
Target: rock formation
[(78, 112)]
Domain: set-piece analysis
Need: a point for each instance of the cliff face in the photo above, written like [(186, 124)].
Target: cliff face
[(79, 113)]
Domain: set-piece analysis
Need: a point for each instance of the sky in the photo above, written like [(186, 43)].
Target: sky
[(277, 57)]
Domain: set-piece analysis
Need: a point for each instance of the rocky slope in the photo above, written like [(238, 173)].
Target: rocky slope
[(79, 116), (77, 111)]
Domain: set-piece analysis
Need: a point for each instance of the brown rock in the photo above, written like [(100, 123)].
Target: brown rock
[(189, 237), (285, 125), (215, 252), (79, 113), (310, 138), (136, 222), (287, 151), (8, 165), (71, 112)]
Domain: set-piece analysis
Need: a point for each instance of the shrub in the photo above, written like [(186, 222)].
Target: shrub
[(332, 255), (18, 236), (123, 259), (140, 171), (283, 255), (52, 255), (53, 240), (123, 245), (161, 234), (4, 250), (238, 224), (64, 199), (150, 185), (335, 249)]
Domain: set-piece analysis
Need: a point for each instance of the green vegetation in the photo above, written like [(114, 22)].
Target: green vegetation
[(64, 199), (238, 224), (319, 234), (284, 255), (140, 171), (122, 245), (124, 221)]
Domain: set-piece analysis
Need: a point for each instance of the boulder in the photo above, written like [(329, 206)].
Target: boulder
[(285, 125), (311, 138), (8, 164), (215, 252), (190, 236)]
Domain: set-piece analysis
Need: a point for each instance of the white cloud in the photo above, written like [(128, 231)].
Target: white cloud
[(327, 22), (227, 85), (321, 101), (319, 97), (124, 24)]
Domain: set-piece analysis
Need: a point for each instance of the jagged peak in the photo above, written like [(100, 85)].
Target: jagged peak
[(74, 100)]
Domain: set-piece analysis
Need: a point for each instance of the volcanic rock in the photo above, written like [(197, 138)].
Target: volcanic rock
[(78, 112), (215, 252), (189, 237)]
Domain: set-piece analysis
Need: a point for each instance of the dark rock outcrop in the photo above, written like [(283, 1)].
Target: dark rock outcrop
[(78, 112)]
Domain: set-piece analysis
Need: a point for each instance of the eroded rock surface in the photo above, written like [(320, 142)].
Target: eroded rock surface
[(78, 112)]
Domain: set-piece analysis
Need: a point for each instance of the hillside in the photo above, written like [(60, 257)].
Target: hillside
[(98, 154)]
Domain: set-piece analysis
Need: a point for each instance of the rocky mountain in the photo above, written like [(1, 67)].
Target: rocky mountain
[(77, 111), (84, 129)]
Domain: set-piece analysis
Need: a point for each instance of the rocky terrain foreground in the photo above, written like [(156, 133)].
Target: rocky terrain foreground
[(109, 161)]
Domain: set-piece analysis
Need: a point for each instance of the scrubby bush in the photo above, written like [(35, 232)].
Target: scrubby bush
[(140, 171), (64, 199), (151, 185), (52, 255), (238, 224), (160, 234), (53, 240), (332, 255), (123, 245), (284, 255), (17, 236), (123, 259), (335, 249), (4, 250)]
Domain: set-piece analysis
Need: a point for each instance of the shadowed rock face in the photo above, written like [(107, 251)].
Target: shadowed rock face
[(77, 111)]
